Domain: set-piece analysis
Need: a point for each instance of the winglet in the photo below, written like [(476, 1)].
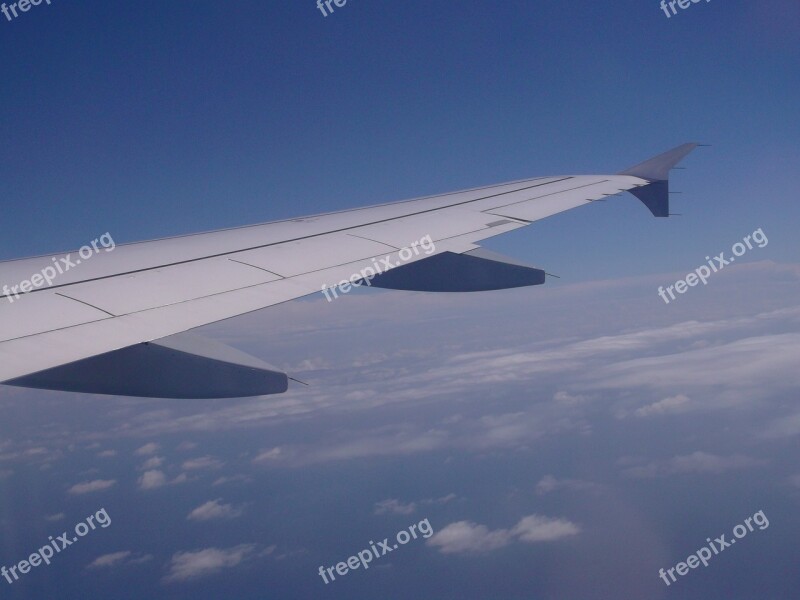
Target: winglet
[(655, 195)]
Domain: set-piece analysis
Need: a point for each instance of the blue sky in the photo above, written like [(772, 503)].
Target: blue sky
[(646, 427)]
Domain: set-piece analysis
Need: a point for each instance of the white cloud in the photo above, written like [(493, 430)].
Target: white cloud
[(753, 366), (535, 528), (232, 479), (548, 484), (140, 559), (214, 509), (155, 478), (268, 455), (185, 566), (149, 448), (394, 507), (695, 463), (88, 487), (152, 463), (152, 479), (465, 537), (115, 559), (787, 426), (109, 560), (203, 462), (569, 399), (54, 518), (107, 453), (392, 440), (442, 500), (672, 404)]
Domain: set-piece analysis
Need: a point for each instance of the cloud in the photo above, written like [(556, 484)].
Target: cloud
[(442, 500), (397, 439), (37, 454), (109, 560), (214, 509), (548, 484), (115, 559), (753, 366), (203, 462), (786, 426), (672, 404), (155, 478), (268, 455), (394, 507), (232, 479), (569, 399), (88, 487), (703, 462), (535, 528), (185, 566), (466, 537), (152, 479), (107, 453), (152, 463), (695, 463), (54, 518), (149, 448)]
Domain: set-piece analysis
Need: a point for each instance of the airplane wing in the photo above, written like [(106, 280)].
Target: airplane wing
[(114, 322)]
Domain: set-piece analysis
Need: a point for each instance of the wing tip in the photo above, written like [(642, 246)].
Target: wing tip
[(655, 195), (658, 167)]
